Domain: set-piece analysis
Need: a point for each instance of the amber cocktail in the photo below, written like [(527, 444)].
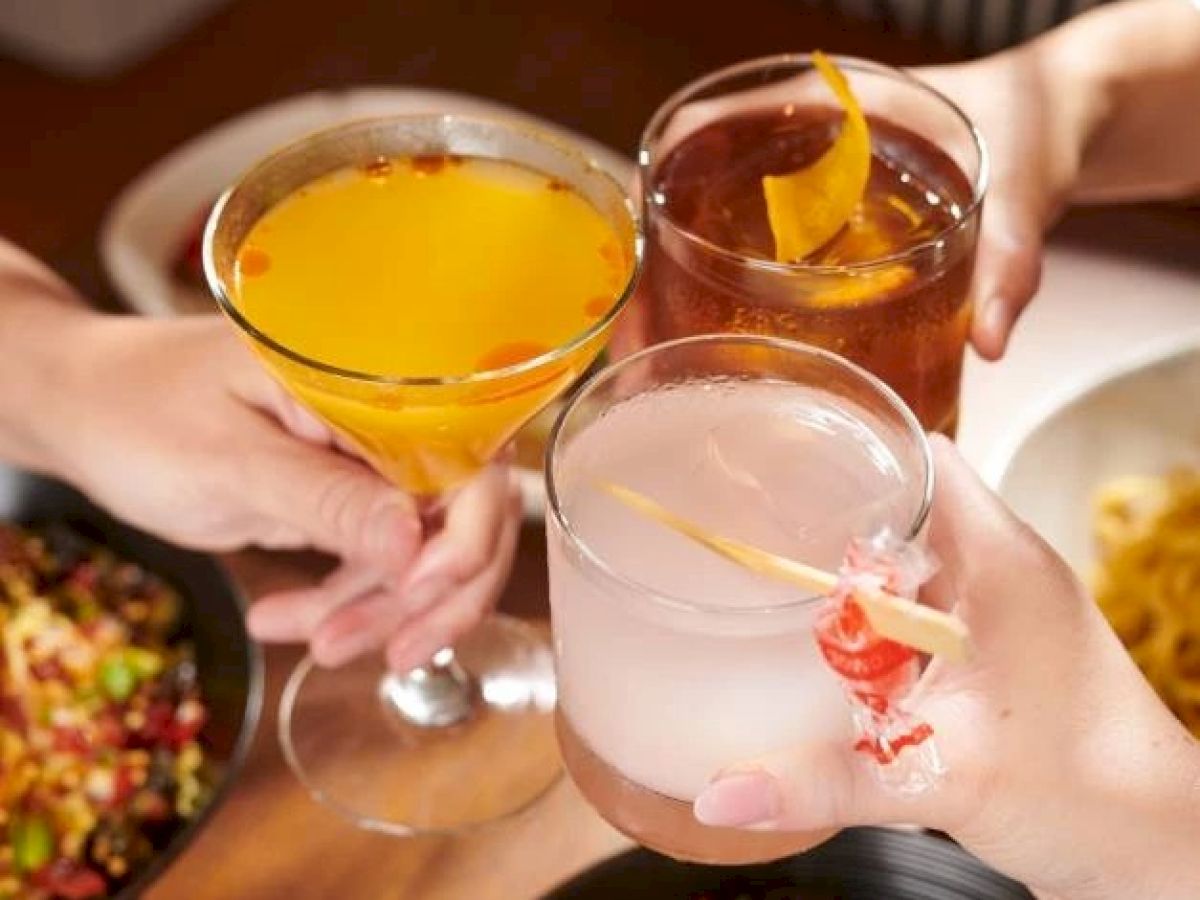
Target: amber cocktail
[(889, 291)]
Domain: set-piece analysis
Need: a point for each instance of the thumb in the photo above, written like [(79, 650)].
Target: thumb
[(339, 504), (825, 784), (814, 787), (1008, 269), (1004, 580)]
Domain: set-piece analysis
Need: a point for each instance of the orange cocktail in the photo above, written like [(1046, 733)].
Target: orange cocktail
[(436, 266)]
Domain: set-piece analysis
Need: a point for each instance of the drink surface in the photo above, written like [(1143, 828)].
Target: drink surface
[(712, 185), (665, 696), (905, 319), (430, 267), (433, 266)]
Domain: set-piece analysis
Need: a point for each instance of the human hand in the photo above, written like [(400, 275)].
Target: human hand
[(1096, 110), (1063, 768), (1035, 128), (174, 427), (1034, 131)]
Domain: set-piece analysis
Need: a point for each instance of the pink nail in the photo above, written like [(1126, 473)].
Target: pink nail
[(995, 316), (393, 528), (739, 800), (272, 625), (406, 655)]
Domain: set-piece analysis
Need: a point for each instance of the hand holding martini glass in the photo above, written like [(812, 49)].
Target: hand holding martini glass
[(425, 285)]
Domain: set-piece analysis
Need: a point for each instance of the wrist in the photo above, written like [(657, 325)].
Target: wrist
[(1173, 871), (42, 340), (1152, 822), (1080, 90), (1133, 71)]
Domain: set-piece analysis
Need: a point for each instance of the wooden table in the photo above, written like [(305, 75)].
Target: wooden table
[(269, 839), (66, 149)]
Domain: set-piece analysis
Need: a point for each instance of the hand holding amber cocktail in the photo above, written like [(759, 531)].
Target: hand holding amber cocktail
[(783, 202), (425, 285)]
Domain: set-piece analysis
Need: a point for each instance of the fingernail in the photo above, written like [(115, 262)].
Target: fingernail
[(739, 800), (995, 317), (406, 655), (271, 625), (392, 529), (424, 593)]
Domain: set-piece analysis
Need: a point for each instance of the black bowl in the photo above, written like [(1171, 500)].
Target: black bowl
[(229, 665), (856, 864)]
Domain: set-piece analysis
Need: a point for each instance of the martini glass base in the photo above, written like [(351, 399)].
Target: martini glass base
[(360, 739)]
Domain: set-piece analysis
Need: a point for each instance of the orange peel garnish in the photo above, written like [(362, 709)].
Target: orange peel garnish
[(806, 209), (860, 286)]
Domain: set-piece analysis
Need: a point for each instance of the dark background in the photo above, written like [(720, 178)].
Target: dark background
[(68, 146)]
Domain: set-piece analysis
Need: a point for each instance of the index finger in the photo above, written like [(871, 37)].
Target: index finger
[(469, 536)]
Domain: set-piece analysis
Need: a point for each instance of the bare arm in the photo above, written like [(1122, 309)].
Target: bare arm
[(40, 317), (1141, 60), (1104, 108), (174, 427)]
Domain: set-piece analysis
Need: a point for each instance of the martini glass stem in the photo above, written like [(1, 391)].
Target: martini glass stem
[(435, 695), (441, 692)]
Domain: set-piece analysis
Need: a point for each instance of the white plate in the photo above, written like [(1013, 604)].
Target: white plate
[(146, 225), (1142, 417)]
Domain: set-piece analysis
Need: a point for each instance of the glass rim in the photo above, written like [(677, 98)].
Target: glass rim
[(675, 102), (217, 287), (635, 587)]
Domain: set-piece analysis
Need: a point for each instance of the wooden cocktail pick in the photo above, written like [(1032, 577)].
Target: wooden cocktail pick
[(905, 621)]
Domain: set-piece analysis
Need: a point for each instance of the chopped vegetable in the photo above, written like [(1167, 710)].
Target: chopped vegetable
[(100, 718), (117, 678), (32, 842)]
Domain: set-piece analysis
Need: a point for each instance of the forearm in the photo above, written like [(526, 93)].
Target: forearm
[(1138, 66), (1170, 866), (40, 322), (1141, 789)]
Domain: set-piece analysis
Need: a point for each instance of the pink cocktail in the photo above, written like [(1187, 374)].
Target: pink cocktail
[(674, 663)]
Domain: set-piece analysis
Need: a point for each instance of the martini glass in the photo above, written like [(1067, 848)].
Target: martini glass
[(468, 738)]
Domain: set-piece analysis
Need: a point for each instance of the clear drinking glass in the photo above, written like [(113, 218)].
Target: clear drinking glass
[(468, 738), (672, 662), (891, 293)]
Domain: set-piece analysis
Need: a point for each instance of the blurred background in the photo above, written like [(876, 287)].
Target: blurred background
[(96, 90)]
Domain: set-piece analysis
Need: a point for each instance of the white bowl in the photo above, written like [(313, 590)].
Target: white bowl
[(1142, 416)]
